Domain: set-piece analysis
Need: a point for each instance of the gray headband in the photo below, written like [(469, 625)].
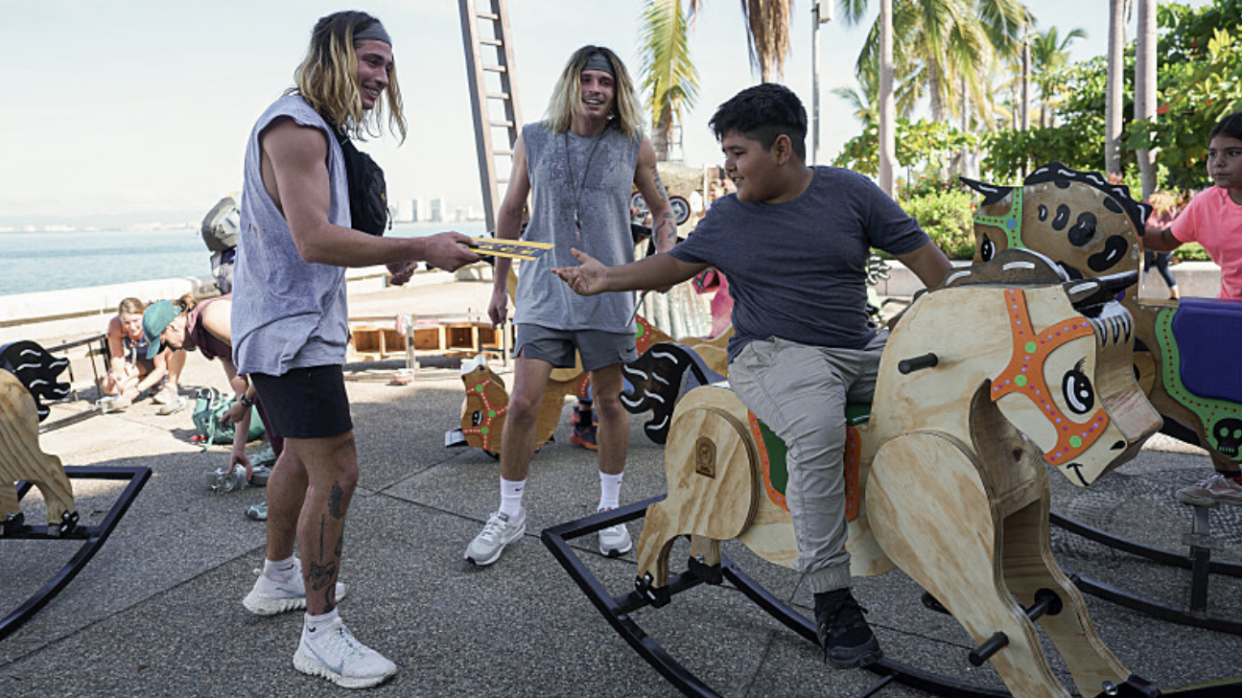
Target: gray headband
[(374, 31), (598, 61)]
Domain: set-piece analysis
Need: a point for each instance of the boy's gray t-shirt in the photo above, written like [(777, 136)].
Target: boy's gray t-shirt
[(796, 270), (287, 313), (564, 175)]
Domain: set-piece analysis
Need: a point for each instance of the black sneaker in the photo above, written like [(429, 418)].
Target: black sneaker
[(843, 632)]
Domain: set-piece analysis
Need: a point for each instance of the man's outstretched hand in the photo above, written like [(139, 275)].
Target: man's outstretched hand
[(587, 279)]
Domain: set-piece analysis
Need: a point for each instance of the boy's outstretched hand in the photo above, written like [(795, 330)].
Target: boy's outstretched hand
[(587, 279)]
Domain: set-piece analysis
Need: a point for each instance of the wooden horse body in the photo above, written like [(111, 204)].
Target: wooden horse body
[(28, 373), (947, 477), (1089, 227)]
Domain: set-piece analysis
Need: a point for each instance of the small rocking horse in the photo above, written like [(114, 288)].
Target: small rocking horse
[(487, 401), (1005, 366), (28, 375), (1089, 227)]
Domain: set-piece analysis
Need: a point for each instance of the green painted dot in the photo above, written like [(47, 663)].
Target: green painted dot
[(484, 431), (1021, 381), (491, 413), (478, 388), (1030, 347), (1075, 442)]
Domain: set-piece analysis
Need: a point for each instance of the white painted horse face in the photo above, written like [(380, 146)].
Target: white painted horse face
[(1068, 385)]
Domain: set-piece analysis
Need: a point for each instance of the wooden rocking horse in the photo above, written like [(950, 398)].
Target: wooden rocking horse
[(1004, 367), (28, 375), (487, 401), (1089, 227)]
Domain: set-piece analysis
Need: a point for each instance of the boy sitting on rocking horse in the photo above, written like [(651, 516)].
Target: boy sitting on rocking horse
[(793, 242)]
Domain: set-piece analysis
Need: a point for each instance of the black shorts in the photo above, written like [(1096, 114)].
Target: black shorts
[(305, 403)]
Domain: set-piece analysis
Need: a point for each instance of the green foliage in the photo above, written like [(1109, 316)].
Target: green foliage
[(1192, 252), (921, 145), (945, 212), (1194, 94), (1199, 55)]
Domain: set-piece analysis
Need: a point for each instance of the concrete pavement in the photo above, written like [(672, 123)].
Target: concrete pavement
[(158, 611)]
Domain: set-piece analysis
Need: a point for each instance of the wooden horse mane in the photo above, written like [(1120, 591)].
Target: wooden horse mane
[(1062, 175)]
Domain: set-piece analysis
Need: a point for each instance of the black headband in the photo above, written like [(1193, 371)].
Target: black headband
[(599, 61)]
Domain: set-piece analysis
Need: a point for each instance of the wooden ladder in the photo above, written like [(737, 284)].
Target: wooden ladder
[(493, 95)]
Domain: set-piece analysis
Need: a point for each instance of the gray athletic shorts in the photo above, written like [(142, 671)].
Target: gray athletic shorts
[(598, 349)]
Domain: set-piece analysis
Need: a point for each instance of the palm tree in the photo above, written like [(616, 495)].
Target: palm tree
[(1113, 91), (864, 101), (1145, 87), (668, 71), (1049, 53), (767, 35), (669, 77), (938, 42)]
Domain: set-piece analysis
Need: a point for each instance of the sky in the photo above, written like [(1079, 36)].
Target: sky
[(144, 106)]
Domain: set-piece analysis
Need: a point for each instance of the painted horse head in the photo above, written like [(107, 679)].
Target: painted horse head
[(486, 405), (1053, 354), (38, 370), (1088, 226)]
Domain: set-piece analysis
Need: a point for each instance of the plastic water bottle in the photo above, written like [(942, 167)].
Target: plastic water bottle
[(223, 480)]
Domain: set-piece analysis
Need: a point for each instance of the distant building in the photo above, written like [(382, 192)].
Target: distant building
[(435, 211), (463, 214), (407, 211)]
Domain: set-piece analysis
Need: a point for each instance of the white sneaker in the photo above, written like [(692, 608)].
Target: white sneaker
[(499, 532), (614, 541), (336, 655), (269, 597)]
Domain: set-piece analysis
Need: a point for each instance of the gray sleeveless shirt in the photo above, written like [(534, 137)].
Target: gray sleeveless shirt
[(287, 313), (565, 175)]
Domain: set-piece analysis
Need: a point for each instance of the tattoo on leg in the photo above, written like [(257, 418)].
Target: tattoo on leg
[(321, 575), (334, 501)]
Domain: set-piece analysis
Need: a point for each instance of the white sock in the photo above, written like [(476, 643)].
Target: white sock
[(511, 497), (280, 570), (609, 490), (311, 625)]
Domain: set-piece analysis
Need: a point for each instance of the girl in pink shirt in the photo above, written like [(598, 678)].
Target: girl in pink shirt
[(1214, 219)]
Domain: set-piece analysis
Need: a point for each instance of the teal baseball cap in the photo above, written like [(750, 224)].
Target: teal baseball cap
[(155, 320)]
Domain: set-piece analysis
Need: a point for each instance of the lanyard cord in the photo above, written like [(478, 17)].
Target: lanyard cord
[(582, 185)]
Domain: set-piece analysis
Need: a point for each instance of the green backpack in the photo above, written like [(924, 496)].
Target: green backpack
[(209, 408)]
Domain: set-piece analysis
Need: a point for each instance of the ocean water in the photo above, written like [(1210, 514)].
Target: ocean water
[(31, 262)]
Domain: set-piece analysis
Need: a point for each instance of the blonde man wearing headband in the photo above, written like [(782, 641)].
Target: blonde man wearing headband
[(580, 163), (289, 326)]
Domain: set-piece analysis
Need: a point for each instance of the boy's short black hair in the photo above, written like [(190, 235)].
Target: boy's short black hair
[(762, 113)]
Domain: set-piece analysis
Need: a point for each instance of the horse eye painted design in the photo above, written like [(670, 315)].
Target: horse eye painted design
[(987, 250), (1076, 387)]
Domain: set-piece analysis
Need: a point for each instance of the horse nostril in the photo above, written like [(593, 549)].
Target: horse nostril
[(1120, 445)]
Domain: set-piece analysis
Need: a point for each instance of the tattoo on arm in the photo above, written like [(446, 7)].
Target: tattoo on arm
[(659, 184), (666, 229), (334, 501)]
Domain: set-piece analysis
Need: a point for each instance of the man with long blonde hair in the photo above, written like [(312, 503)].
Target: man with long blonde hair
[(581, 163), (289, 326)]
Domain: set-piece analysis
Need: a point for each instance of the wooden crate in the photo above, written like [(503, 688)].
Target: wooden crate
[(374, 341)]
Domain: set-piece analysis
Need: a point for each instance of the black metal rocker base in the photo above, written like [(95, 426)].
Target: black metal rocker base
[(617, 610), (1197, 560), (92, 537)]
